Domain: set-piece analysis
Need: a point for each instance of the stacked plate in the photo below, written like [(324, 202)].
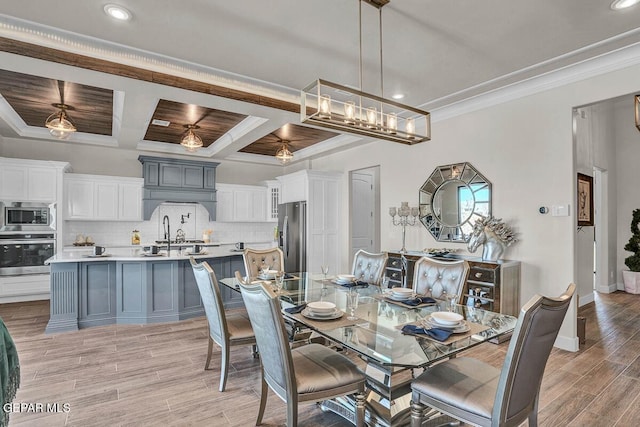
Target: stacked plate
[(322, 310), (344, 279), (268, 274), (401, 294), (446, 320)]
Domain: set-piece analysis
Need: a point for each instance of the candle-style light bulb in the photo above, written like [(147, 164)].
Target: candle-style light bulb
[(350, 112), (392, 123), (325, 107)]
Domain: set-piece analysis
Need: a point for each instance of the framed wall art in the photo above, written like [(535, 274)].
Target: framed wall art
[(585, 200)]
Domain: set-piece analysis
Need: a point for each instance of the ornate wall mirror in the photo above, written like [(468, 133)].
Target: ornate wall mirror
[(452, 199)]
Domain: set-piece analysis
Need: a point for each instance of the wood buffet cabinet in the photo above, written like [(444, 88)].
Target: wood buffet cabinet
[(494, 285)]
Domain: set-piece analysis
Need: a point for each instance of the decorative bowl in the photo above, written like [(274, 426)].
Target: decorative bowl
[(447, 318), (321, 307)]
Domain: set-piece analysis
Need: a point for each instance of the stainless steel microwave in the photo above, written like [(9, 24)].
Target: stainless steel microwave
[(27, 216)]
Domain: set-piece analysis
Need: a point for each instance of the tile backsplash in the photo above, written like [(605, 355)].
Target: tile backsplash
[(192, 218)]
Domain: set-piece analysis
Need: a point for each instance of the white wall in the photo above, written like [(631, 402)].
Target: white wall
[(525, 148), (628, 177)]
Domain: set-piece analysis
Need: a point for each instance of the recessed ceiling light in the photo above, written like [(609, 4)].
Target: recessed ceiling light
[(623, 4), (397, 95), (117, 12)]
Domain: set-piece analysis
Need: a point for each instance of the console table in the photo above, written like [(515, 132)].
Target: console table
[(497, 281)]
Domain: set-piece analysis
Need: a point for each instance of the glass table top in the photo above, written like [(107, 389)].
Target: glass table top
[(376, 334)]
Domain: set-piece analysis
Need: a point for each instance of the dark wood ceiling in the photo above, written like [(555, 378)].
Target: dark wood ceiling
[(299, 137), (212, 124), (32, 98)]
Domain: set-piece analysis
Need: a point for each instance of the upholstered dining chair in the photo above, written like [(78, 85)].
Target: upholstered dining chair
[(438, 278), (254, 259), (225, 329), (369, 267), (309, 373), (475, 392)]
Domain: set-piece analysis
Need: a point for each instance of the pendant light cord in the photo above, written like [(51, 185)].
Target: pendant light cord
[(381, 74), (360, 38)]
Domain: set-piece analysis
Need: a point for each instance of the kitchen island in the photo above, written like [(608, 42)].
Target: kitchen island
[(129, 287)]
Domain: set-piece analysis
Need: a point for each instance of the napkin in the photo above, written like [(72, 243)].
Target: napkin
[(296, 309), (437, 334), (418, 300), (358, 283)]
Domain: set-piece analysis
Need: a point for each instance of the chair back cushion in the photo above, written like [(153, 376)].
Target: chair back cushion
[(263, 307), (211, 299), (255, 258), (536, 331), (435, 278), (369, 267)]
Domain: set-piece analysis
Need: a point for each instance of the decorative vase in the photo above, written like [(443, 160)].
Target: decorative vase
[(631, 281)]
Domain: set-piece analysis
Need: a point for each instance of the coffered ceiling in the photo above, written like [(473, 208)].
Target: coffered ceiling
[(238, 66)]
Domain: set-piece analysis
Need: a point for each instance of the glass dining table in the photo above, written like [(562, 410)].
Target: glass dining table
[(375, 335)]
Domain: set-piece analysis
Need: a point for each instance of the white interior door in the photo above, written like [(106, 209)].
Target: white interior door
[(364, 210)]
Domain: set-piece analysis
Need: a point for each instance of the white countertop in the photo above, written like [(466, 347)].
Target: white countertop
[(136, 254)]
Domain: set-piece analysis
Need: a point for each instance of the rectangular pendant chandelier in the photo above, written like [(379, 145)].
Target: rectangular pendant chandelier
[(342, 108)]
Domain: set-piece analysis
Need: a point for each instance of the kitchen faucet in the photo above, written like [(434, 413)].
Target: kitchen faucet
[(167, 233)]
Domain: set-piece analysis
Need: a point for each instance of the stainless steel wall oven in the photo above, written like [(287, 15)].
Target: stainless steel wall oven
[(24, 253)]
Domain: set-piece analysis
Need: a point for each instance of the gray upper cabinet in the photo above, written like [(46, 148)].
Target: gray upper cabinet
[(176, 173), (176, 180)]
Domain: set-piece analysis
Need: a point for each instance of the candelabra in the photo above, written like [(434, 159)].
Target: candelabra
[(406, 216)]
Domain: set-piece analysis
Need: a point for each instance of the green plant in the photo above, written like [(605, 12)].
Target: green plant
[(633, 245)]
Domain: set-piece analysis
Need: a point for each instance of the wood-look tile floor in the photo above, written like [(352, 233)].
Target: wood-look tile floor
[(153, 375)]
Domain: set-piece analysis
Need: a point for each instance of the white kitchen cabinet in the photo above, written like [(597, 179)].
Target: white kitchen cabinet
[(240, 203), (273, 199), (321, 191), (29, 180), (103, 198)]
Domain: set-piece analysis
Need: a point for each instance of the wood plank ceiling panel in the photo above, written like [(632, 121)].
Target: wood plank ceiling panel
[(299, 137), (31, 50), (32, 98), (212, 124)]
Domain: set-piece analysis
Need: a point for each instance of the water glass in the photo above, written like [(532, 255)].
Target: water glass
[(325, 271), (352, 303), (279, 281), (453, 301)]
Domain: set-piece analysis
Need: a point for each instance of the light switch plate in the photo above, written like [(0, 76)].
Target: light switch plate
[(560, 210)]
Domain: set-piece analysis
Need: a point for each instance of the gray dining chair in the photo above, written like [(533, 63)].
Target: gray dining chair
[(438, 278), (310, 373), (477, 393), (369, 267), (225, 329), (254, 259)]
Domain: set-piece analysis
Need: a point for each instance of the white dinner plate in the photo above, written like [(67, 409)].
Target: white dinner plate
[(459, 329), (335, 315), (401, 297), (321, 307), (447, 318)]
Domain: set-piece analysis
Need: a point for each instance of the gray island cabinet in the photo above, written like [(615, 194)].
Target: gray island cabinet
[(88, 292)]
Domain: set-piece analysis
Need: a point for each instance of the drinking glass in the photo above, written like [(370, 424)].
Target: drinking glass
[(453, 301), (280, 281), (325, 271), (352, 303)]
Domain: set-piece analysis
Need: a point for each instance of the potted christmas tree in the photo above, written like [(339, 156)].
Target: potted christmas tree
[(631, 277)]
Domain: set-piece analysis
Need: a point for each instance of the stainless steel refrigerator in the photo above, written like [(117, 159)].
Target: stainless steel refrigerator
[(292, 230)]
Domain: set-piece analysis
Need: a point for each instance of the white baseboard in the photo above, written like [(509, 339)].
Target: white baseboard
[(585, 299), (23, 298), (567, 343), (608, 289)]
